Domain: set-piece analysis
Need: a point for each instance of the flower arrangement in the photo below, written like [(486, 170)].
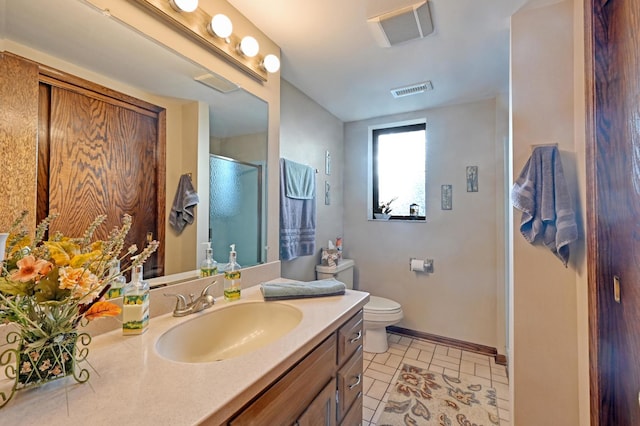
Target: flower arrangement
[(386, 206), (49, 287)]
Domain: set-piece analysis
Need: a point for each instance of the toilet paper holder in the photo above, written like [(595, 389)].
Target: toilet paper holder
[(421, 265)]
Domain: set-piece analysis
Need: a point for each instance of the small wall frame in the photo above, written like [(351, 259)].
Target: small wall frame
[(472, 178), (446, 197)]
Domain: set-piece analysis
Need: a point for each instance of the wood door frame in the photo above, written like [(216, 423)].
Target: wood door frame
[(591, 207), (54, 77)]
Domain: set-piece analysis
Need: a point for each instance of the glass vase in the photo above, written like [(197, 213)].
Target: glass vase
[(53, 360)]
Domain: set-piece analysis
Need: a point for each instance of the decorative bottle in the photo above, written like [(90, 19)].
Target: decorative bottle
[(135, 304), (209, 266), (232, 277), (117, 282)]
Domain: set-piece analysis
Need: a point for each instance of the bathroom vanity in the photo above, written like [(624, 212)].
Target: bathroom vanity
[(312, 372)]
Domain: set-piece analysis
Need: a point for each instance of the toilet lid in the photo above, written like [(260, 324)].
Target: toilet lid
[(380, 304)]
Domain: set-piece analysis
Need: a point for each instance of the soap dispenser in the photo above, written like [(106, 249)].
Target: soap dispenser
[(135, 304), (209, 266), (117, 280), (232, 281)]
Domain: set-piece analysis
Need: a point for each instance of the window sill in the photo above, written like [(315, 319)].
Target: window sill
[(404, 219)]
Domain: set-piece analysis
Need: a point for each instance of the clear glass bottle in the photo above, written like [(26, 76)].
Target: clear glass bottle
[(232, 277), (209, 266), (135, 304), (117, 282)]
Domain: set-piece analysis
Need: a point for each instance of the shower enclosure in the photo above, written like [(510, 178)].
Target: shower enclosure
[(236, 210)]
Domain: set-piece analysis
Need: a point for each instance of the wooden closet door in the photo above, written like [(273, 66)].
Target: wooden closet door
[(102, 160), (613, 101)]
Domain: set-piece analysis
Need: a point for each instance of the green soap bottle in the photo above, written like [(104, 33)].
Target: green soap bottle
[(209, 266), (232, 277), (135, 304)]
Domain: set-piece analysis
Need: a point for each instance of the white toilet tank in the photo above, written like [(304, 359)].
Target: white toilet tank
[(343, 272)]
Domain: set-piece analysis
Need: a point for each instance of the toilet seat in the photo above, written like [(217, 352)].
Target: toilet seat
[(381, 309)]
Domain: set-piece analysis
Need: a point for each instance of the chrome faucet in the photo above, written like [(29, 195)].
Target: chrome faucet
[(204, 301)]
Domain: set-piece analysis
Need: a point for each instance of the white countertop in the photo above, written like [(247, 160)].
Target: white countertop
[(134, 385)]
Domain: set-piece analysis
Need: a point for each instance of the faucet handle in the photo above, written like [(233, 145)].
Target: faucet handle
[(208, 298), (205, 291), (181, 302)]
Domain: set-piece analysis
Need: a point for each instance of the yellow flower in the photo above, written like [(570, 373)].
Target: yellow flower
[(30, 268)]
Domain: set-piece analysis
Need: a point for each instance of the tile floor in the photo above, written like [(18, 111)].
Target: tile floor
[(381, 370)]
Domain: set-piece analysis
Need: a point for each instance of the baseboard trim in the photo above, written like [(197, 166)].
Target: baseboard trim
[(460, 344)]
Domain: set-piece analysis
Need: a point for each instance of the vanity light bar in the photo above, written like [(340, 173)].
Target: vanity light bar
[(184, 5), (216, 34)]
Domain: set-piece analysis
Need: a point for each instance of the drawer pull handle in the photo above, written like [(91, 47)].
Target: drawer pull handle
[(358, 337), (358, 379)]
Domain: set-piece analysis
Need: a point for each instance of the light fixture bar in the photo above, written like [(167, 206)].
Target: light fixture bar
[(194, 25)]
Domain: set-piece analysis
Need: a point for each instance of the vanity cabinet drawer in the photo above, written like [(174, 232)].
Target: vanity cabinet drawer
[(350, 378), (350, 337)]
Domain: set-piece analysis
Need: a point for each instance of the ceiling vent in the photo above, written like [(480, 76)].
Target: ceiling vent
[(414, 89), (402, 25), (217, 82)]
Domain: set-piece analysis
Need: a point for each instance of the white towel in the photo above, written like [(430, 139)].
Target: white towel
[(541, 193), (184, 202)]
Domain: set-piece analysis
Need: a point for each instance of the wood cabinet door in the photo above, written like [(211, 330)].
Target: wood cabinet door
[(102, 159), (322, 410)]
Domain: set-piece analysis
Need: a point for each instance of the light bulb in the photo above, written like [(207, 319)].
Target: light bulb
[(184, 5), (271, 63), (221, 26), (249, 46)]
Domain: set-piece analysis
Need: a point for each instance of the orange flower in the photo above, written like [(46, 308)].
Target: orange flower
[(82, 283), (29, 268), (102, 309)]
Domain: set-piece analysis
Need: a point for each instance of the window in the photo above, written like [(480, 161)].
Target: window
[(398, 170)]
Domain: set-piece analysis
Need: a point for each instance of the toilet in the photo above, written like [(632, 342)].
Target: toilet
[(378, 313)]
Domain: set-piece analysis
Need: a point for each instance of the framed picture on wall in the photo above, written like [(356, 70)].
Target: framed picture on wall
[(472, 178), (446, 197), (327, 193)]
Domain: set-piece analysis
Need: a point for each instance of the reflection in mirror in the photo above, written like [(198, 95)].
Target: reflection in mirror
[(237, 165), (99, 48), (235, 208)]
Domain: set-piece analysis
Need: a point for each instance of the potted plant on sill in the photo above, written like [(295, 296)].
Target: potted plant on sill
[(384, 210)]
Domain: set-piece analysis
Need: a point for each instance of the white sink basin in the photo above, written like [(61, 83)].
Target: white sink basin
[(228, 331)]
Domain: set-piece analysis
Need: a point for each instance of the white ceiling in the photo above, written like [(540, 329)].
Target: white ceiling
[(330, 54)]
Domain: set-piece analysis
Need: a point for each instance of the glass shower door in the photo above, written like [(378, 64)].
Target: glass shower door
[(235, 210)]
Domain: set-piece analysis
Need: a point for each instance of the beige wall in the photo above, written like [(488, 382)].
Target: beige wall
[(460, 299), (549, 369), (307, 131)]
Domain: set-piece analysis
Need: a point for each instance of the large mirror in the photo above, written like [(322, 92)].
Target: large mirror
[(96, 47)]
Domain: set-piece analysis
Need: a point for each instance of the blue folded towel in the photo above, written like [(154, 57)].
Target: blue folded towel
[(300, 290), (300, 181)]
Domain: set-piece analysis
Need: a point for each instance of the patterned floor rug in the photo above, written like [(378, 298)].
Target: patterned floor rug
[(421, 397)]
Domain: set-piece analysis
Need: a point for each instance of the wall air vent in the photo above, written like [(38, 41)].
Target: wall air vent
[(401, 25), (217, 82), (414, 89)]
